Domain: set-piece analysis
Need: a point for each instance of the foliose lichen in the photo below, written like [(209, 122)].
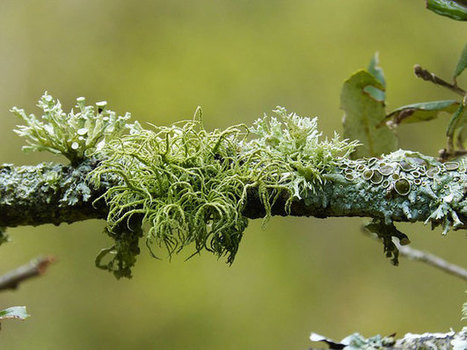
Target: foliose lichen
[(77, 135), (415, 183)]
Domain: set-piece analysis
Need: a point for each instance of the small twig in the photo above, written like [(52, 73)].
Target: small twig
[(433, 260), (35, 267), (428, 76), (428, 258)]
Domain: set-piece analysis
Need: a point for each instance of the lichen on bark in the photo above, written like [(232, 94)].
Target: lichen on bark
[(181, 185)]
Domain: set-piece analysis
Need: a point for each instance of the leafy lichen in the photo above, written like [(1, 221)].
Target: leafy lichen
[(75, 135)]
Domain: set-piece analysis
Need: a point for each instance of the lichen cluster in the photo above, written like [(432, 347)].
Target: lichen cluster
[(181, 185), (78, 135), (290, 147), (450, 340), (415, 180), (189, 186)]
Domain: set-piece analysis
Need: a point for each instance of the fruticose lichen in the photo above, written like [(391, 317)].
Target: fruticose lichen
[(189, 185), (75, 135), (181, 185)]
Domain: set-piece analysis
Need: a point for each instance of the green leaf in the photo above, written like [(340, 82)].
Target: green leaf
[(453, 9), (378, 73), (376, 70), (419, 112), (18, 312), (461, 64), (363, 114)]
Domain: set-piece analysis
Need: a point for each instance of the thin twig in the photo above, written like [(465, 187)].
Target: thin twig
[(428, 258), (428, 76), (34, 268), (433, 260)]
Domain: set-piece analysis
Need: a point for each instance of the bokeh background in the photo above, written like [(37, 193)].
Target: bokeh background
[(159, 60)]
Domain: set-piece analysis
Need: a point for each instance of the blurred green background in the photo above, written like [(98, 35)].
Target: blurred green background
[(159, 60)]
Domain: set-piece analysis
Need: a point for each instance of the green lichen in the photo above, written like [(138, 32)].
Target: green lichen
[(77, 135), (189, 186), (182, 185), (291, 145)]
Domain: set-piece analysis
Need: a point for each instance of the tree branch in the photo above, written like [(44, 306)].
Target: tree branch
[(428, 76), (48, 193), (433, 260), (376, 188), (34, 268), (450, 340), (426, 257)]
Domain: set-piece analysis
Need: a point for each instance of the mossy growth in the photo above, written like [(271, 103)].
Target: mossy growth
[(181, 185)]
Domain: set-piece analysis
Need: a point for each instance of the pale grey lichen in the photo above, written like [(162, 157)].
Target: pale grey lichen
[(46, 193), (415, 183), (291, 144), (77, 135), (450, 340)]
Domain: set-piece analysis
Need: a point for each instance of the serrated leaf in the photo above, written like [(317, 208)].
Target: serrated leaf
[(363, 114), (419, 112), (461, 64), (453, 9), (18, 312)]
